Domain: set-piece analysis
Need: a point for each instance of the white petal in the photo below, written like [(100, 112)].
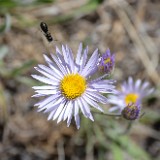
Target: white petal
[(76, 114), (58, 111), (92, 103), (86, 108), (104, 87), (68, 108), (76, 108), (51, 114), (84, 58), (80, 105), (61, 67), (50, 63), (79, 53), (47, 100), (38, 95), (150, 91), (61, 115), (44, 87), (98, 97), (53, 105), (145, 85), (47, 92), (117, 100), (113, 109), (58, 50), (130, 80), (91, 63), (62, 61), (137, 84), (48, 107), (70, 116), (54, 72), (70, 59), (46, 74), (77, 120), (65, 54), (53, 66), (44, 79)]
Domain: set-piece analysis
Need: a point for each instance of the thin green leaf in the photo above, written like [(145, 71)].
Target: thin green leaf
[(129, 146), (116, 152)]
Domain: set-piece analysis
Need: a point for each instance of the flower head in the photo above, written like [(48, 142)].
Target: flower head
[(131, 111), (106, 62), (69, 87), (131, 93)]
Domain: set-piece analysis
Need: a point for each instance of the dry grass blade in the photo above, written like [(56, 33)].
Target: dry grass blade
[(120, 8), (3, 106), (146, 40)]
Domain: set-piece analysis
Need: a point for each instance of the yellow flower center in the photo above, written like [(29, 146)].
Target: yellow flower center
[(131, 98), (107, 60), (73, 86)]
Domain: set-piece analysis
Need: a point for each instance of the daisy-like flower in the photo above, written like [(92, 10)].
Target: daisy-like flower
[(69, 87), (131, 93), (106, 62)]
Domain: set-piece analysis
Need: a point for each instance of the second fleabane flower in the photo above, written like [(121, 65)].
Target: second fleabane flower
[(131, 94), (106, 62), (69, 87)]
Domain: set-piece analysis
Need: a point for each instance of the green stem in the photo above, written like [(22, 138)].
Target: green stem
[(108, 114)]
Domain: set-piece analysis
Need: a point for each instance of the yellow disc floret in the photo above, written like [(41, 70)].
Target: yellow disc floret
[(131, 98), (73, 86), (108, 60)]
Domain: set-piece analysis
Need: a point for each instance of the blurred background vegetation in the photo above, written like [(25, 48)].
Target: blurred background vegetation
[(130, 28)]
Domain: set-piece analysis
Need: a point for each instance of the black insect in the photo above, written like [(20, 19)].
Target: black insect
[(46, 33)]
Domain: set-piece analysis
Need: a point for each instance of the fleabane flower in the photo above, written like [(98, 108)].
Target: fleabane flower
[(106, 62), (69, 88), (131, 93)]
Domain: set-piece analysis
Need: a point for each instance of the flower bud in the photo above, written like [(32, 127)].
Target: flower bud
[(131, 111)]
